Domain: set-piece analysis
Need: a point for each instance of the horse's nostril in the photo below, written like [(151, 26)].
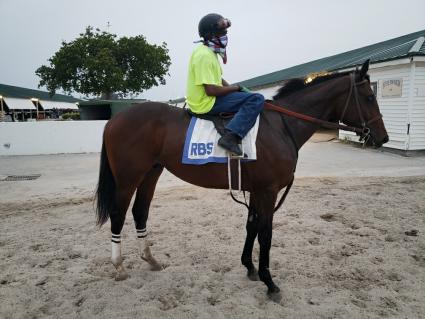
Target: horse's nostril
[(386, 139)]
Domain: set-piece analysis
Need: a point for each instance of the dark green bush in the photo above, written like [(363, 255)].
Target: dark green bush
[(71, 116)]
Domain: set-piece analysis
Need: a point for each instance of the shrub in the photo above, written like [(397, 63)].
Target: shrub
[(71, 116)]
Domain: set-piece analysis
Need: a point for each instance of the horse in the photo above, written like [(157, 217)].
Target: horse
[(140, 142)]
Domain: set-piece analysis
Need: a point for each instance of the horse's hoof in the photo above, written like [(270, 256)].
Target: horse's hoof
[(120, 276), (156, 267), (274, 294), (253, 275)]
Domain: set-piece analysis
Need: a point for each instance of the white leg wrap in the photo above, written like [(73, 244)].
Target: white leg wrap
[(116, 250)]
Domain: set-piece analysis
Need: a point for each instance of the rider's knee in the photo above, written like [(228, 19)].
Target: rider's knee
[(259, 100)]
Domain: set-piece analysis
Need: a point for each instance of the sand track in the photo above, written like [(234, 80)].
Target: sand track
[(339, 251)]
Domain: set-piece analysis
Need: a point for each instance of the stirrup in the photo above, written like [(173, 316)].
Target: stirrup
[(234, 156), (238, 158), (229, 175), (231, 155)]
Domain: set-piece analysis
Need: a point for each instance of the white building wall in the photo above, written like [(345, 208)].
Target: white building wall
[(269, 92), (50, 137), (179, 104), (417, 115)]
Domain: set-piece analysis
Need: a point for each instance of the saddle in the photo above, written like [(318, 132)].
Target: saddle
[(220, 120)]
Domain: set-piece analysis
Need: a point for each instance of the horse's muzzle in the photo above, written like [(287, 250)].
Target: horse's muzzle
[(382, 142), (386, 139)]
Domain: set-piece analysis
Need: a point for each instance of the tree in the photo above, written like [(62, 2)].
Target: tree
[(97, 63)]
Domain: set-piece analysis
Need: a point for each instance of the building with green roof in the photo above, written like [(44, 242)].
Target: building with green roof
[(397, 74), (410, 45), (22, 104), (23, 93)]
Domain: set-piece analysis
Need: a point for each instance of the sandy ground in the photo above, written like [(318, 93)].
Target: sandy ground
[(342, 244)]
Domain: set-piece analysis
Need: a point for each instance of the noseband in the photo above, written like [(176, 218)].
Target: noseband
[(363, 131)]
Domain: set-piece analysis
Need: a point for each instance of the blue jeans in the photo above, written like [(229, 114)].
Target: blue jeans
[(247, 106)]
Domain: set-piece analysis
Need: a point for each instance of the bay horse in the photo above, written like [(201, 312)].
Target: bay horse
[(139, 142)]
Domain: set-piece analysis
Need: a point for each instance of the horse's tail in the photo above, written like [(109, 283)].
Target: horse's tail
[(105, 193)]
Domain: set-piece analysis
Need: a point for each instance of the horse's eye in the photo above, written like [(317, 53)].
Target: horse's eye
[(370, 98)]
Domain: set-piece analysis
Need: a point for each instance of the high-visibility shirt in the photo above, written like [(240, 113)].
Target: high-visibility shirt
[(204, 68)]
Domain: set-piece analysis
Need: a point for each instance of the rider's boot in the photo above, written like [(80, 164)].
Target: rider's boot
[(231, 142)]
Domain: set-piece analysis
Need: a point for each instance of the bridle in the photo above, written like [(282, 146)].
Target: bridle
[(363, 131)]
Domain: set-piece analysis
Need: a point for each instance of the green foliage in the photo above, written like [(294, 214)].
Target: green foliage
[(71, 116), (98, 63)]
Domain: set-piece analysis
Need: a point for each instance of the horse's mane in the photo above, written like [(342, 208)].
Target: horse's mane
[(296, 84)]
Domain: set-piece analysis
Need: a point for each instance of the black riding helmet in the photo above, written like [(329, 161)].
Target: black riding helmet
[(212, 24)]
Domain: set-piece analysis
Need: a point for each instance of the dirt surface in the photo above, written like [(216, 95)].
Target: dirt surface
[(343, 247)]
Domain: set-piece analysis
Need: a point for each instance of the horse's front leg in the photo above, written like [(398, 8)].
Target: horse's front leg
[(265, 224), (251, 234)]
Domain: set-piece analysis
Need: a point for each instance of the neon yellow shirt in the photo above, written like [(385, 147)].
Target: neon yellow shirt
[(204, 68)]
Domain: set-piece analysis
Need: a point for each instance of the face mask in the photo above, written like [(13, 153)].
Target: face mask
[(218, 45), (221, 41)]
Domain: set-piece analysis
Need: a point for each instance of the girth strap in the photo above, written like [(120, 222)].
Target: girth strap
[(281, 200)]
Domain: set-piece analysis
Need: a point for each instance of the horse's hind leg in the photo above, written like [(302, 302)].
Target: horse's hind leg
[(251, 234), (144, 195), (122, 201)]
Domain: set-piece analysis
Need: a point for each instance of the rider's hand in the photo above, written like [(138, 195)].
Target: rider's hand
[(244, 89)]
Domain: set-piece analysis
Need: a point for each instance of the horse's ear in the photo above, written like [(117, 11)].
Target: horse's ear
[(365, 68)]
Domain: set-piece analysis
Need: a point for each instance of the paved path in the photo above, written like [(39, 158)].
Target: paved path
[(79, 172), (339, 159)]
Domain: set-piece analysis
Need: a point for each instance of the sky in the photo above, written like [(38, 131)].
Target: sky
[(265, 36)]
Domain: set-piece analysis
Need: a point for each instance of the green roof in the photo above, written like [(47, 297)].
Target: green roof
[(405, 46), (19, 92)]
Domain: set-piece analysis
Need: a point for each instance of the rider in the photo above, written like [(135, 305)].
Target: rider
[(208, 92)]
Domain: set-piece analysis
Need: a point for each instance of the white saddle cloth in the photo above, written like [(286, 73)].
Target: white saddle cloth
[(201, 146)]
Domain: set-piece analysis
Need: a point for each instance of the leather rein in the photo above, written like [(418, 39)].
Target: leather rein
[(364, 130)]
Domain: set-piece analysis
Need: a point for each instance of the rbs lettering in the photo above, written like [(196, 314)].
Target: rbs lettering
[(200, 149)]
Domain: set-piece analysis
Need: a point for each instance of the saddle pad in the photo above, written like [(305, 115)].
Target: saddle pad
[(201, 146)]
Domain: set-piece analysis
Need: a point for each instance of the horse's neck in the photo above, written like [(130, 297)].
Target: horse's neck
[(321, 102)]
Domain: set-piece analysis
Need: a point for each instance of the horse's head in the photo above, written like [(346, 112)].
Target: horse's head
[(361, 109)]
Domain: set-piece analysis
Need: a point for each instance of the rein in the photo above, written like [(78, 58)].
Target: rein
[(280, 109), (364, 130)]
